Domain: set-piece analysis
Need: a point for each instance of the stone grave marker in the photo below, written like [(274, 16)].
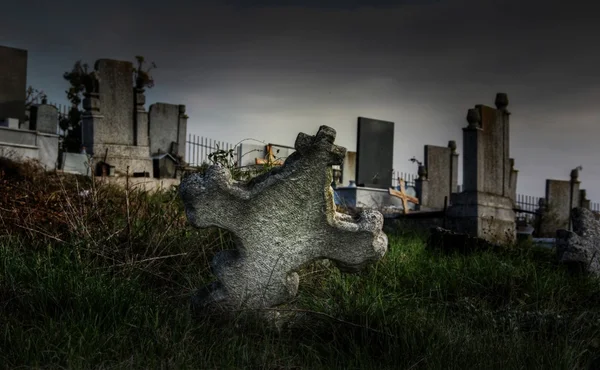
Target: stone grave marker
[(375, 153), (13, 79), (438, 178), (44, 118), (281, 220), (167, 129)]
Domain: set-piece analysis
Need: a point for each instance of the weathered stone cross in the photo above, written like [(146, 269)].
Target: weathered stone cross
[(403, 196), (282, 220)]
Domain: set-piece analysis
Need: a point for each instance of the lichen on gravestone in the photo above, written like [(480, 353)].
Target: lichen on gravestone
[(281, 221)]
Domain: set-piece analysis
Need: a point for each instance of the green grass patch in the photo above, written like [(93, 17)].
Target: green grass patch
[(107, 284)]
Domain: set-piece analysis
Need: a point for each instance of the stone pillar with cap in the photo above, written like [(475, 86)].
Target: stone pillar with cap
[(141, 118), (182, 131), (473, 171), (454, 167), (91, 120)]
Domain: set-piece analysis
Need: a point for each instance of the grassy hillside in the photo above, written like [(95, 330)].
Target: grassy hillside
[(99, 277)]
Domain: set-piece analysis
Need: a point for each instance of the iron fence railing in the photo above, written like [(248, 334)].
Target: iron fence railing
[(409, 178), (198, 148)]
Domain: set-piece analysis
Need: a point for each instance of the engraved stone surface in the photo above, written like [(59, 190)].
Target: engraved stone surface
[(282, 220)]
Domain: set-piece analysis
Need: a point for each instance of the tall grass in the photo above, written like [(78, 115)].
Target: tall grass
[(89, 287)]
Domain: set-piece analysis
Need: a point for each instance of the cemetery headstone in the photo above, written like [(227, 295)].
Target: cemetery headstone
[(168, 129), (375, 153), (44, 118), (13, 79), (561, 197), (485, 207), (438, 178), (281, 220), (114, 123)]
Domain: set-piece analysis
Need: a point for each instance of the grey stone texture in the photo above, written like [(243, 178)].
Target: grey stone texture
[(44, 118), (117, 104), (13, 80), (282, 220), (168, 125), (438, 178), (561, 197), (114, 124), (580, 249), (26, 144), (485, 206), (140, 127)]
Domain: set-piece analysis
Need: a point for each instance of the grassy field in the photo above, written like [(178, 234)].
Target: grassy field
[(102, 279)]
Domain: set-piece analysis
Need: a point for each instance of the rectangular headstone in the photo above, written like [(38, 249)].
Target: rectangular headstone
[(165, 127), (375, 153), (13, 79), (44, 118), (559, 201), (116, 103), (495, 151), (438, 161)]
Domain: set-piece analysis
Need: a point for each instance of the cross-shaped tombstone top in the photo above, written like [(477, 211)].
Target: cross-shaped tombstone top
[(281, 220), (403, 196)]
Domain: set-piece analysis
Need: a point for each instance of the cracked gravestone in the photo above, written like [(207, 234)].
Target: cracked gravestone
[(580, 249), (281, 220)]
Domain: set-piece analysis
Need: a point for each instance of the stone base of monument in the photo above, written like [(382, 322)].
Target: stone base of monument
[(483, 215), (137, 158), (364, 197)]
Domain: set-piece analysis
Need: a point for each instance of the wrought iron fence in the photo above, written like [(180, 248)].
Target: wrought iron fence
[(527, 203), (198, 148), (409, 178)]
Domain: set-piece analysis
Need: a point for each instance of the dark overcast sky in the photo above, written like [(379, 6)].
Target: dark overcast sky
[(270, 69)]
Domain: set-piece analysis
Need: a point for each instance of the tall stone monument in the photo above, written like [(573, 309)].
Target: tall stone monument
[(485, 207), (13, 79), (115, 123)]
